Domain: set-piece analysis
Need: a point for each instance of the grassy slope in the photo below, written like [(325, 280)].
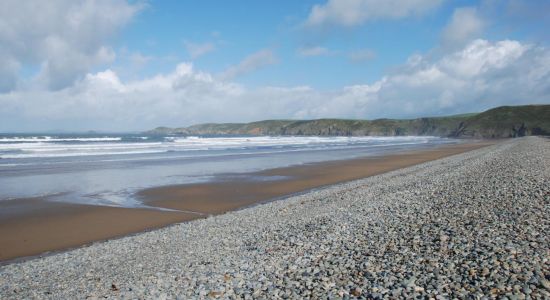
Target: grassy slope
[(505, 121), (510, 121)]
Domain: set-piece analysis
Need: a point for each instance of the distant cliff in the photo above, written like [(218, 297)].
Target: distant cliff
[(500, 122)]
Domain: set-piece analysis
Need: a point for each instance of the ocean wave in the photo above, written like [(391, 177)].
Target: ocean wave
[(121, 146), (56, 139)]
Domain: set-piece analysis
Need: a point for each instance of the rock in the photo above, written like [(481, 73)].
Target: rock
[(356, 292), (468, 226)]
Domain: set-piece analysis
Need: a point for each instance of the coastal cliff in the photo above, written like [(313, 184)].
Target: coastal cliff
[(500, 122)]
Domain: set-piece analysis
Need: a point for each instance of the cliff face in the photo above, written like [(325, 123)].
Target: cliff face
[(508, 121), (500, 122)]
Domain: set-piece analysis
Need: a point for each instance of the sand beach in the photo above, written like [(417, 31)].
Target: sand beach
[(30, 227), (471, 224)]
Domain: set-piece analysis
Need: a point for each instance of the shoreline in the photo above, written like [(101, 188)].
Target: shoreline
[(203, 197), (58, 227), (465, 226)]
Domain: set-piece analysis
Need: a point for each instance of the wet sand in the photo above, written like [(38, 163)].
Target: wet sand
[(229, 194), (33, 226), (53, 226)]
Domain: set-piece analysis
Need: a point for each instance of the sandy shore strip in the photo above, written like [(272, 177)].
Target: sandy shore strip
[(238, 192), (33, 226), (467, 226), (50, 226)]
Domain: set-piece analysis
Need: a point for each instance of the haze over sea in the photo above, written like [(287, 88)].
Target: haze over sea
[(107, 169)]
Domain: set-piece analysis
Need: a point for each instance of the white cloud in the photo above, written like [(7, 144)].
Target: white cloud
[(465, 25), (197, 50), (350, 13), (313, 51), (361, 55), (250, 63), (481, 75), (64, 38), (477, 77)]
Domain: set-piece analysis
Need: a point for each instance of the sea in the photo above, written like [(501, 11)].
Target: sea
[(108, 169)]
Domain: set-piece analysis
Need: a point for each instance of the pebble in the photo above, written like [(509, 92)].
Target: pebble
[(473, 225)]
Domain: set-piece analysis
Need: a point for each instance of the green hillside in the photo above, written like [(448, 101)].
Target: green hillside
[(508, 121), (500, 122)]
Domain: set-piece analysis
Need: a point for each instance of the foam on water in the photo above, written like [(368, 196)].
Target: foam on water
[(46, 146), (50, 139), (109, 169)]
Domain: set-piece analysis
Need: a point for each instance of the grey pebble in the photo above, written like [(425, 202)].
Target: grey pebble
[(473, 225)]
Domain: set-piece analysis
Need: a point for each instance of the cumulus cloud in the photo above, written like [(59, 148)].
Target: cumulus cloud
[(63, 38), (313, 51), (102, 100), (250, 63), (465, 25), (481, 75), (349, 13), (197, 50)]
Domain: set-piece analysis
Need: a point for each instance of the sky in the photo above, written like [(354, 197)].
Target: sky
[(117, 65)]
